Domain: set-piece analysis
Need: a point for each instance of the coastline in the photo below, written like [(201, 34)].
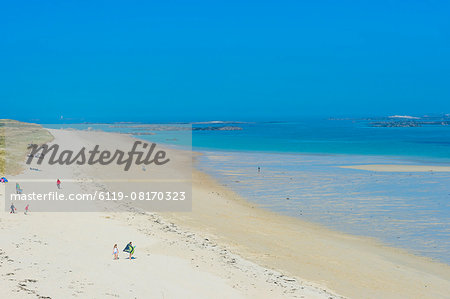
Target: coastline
[(401, 209), (74, 248), (348, 265)]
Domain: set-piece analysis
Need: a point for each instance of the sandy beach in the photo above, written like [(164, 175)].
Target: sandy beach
[(225, 248), (59, 255)]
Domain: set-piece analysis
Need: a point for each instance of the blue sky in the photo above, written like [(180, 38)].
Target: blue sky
[(199, 60)]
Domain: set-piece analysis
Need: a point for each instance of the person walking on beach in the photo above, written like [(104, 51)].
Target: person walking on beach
[(18, 190), (129, 249), (58, 184), (116, 252), (13, 209), (26, 209)]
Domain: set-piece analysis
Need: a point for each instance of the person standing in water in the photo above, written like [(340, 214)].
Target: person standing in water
[(58, 184)]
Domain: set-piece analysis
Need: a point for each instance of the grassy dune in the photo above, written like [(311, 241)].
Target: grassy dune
[(15, 137)]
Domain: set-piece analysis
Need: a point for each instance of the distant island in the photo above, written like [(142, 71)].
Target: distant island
[(171, 127), (152, 129), (403, 121), (398, 121)]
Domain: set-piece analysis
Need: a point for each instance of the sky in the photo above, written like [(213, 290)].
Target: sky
[(228, 60)]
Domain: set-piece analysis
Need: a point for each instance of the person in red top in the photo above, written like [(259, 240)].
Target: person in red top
[(58, 183)]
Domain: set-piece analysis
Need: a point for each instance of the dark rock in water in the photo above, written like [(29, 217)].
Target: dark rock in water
[(408, 123), (137, 133), (224, 128), (395, 124)]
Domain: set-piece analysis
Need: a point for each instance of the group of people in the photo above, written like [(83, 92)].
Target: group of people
[(14, 209), (128, 249), (19, 191)]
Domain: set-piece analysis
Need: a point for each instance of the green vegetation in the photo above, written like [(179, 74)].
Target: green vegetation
[(15, 137)]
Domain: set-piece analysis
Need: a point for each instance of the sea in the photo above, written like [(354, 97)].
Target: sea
[(293, 168)]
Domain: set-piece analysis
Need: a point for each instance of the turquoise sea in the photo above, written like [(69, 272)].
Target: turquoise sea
[(300, 175)]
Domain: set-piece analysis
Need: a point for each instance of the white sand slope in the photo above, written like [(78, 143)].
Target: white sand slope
[(64, 255), (61, 255)]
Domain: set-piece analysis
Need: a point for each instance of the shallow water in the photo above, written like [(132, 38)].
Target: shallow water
[(402, 209)]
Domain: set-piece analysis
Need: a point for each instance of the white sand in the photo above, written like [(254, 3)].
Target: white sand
[(224, 248), (61, 255)]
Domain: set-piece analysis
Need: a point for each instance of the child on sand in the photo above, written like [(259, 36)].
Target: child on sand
[(26, 209), (116, 252), (58, 184), (13, 209)]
